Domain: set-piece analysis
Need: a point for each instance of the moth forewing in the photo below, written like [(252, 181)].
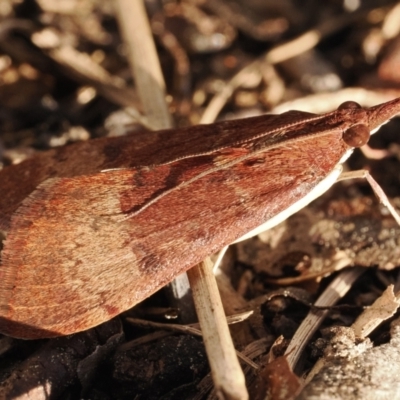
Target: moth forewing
[(68, 264), (101, 267)]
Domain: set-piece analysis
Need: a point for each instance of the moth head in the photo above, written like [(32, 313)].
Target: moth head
[(382, 113)]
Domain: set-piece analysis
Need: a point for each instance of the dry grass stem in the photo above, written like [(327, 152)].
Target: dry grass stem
[(227, 374), (332, 294)]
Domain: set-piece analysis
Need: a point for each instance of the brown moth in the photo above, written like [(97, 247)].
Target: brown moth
[(81, 249)]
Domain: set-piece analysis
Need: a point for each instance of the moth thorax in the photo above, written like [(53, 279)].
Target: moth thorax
[(357, 135)]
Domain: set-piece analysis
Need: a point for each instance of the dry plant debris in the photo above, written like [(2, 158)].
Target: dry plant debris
[(65, 80)]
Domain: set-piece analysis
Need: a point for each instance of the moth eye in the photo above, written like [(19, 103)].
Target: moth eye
[(349, 105), (357, 135)]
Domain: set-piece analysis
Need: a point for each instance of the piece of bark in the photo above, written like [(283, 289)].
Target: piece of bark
[(358, 372), (277, 381)]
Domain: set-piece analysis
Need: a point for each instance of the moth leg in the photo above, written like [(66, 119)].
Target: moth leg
[(364, 174), (374, 154), (220, 256)]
